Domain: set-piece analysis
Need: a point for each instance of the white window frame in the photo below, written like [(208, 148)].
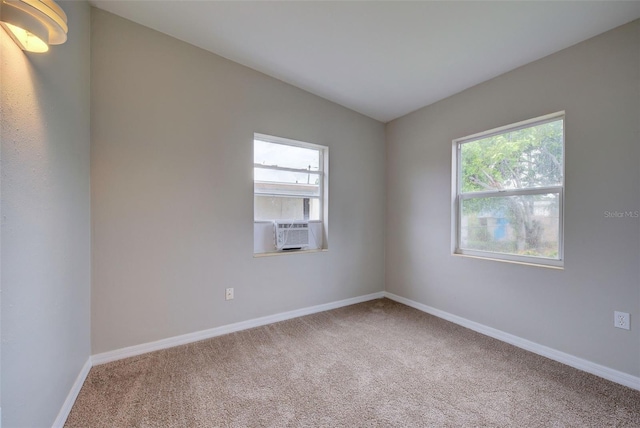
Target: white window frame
[(458, 197), (322, 235)]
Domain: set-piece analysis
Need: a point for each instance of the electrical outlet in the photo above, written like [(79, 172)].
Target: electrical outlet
[(228, 295), (621, 320)]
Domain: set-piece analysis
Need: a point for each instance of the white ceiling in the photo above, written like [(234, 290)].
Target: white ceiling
[(383, 59)]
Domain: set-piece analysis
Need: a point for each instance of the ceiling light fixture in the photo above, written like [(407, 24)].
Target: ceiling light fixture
[(34, 24)]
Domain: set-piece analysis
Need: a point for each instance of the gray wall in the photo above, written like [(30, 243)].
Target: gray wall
[(597, 82), (44, 130), (172, 190)]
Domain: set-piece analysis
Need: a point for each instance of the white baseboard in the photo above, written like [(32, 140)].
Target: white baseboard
[(73, 394), (564, 358), (131, 351)]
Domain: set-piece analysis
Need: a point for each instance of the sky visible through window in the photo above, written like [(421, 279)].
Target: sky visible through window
[(284, 156)]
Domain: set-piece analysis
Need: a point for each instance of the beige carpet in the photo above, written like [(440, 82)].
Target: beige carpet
[(376, 364)]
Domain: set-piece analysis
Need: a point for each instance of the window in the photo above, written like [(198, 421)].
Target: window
[(289, 184), (508, 192)]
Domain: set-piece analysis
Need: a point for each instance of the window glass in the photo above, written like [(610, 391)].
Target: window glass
[(284, 156), (288, 179), (523, 158), (268, 208), (524, 224)]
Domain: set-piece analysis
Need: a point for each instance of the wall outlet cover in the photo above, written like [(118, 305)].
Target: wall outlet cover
[(621, 320)]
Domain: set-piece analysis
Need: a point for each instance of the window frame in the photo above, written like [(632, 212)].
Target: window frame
[(458, 197), (322, 166), (263, 242)]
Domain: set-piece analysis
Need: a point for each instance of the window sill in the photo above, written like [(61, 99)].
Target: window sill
[(285, 253), (510, 261)]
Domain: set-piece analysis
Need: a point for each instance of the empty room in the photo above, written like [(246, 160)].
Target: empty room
[(318, 213)]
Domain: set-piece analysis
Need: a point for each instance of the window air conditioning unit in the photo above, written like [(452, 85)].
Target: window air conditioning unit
[(291, 235)]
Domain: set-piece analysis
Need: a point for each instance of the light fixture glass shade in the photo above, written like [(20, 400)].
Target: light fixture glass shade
[(34, 24), (26, 40)]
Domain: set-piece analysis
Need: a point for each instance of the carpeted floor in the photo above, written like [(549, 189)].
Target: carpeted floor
[(375, 364)]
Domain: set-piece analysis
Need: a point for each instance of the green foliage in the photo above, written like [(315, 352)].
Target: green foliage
[(525, 158)]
